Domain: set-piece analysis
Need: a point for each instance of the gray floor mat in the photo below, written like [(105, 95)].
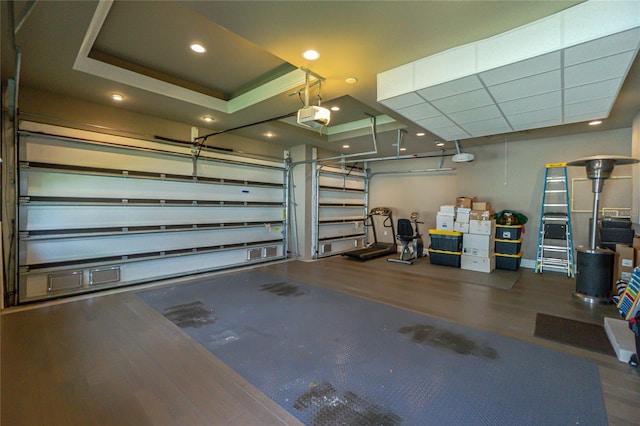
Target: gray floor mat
[(331, 358)]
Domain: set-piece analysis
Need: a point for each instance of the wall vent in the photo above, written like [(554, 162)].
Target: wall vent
[(254, 254), (104, 275), (64, 281), (271, 251)]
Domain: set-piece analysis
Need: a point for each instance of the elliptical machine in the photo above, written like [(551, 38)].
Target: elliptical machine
[(411, 239)]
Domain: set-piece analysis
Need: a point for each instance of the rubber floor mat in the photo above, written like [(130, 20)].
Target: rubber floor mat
[(331, 358), (575, 333)]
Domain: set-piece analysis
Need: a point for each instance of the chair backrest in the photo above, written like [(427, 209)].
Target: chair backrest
[(405, 229)]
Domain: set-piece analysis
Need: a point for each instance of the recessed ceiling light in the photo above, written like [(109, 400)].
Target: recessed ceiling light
[(198, 48), (595, 123), (346, 146), (420, 134), (208, 118), (269, 134), (403, 149), (335, 108), (117, 97), (351, 80), (311, 55), (439, 143)]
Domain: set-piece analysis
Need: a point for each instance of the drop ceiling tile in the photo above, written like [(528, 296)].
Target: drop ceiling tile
[(522, 69), (605, 46), (476, 114), (598, 70), (488, 127), (592, 91), (435, 122), (526, 87), (596, 115), (592, 106), (537, 124), (532, 103), (536, 116), (451, 88), (402, 101), (463, 101), (450, 133), (419, 111)]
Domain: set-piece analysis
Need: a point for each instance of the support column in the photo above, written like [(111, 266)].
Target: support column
[(302, 200)]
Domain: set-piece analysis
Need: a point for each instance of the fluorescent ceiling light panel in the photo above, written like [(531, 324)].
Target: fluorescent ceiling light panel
[(562, 69)]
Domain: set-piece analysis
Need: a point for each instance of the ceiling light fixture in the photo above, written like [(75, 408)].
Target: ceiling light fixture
[(595, 122), (335, 108), (269, 134), (117, 97), (346, 146), (198, 48), (207, 118), (311, 54), (351, 80), (439, 143), (420, 134)]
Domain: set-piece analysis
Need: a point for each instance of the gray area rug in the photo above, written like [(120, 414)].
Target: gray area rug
[(331, 358)]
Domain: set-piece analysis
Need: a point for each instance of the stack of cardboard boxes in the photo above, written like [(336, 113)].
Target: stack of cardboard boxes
[(473, 220), (627, 258), (478, 244)]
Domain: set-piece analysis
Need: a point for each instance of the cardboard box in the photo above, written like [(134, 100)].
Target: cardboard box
[(623, 266), (478, 245), (444, 221), (461, 227), (482, 227), (462, 215), (481, 214), (474, 251), (465, 202), (448, 209), (477, 263), (483, 242), (481, 205)]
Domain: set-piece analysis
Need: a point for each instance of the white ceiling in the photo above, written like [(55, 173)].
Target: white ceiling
[(571, 73), (252, 70)]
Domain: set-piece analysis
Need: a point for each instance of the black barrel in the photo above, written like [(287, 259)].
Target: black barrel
[(594, 275)]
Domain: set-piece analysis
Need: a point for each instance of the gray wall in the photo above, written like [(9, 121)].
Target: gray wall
[(510, 176)]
